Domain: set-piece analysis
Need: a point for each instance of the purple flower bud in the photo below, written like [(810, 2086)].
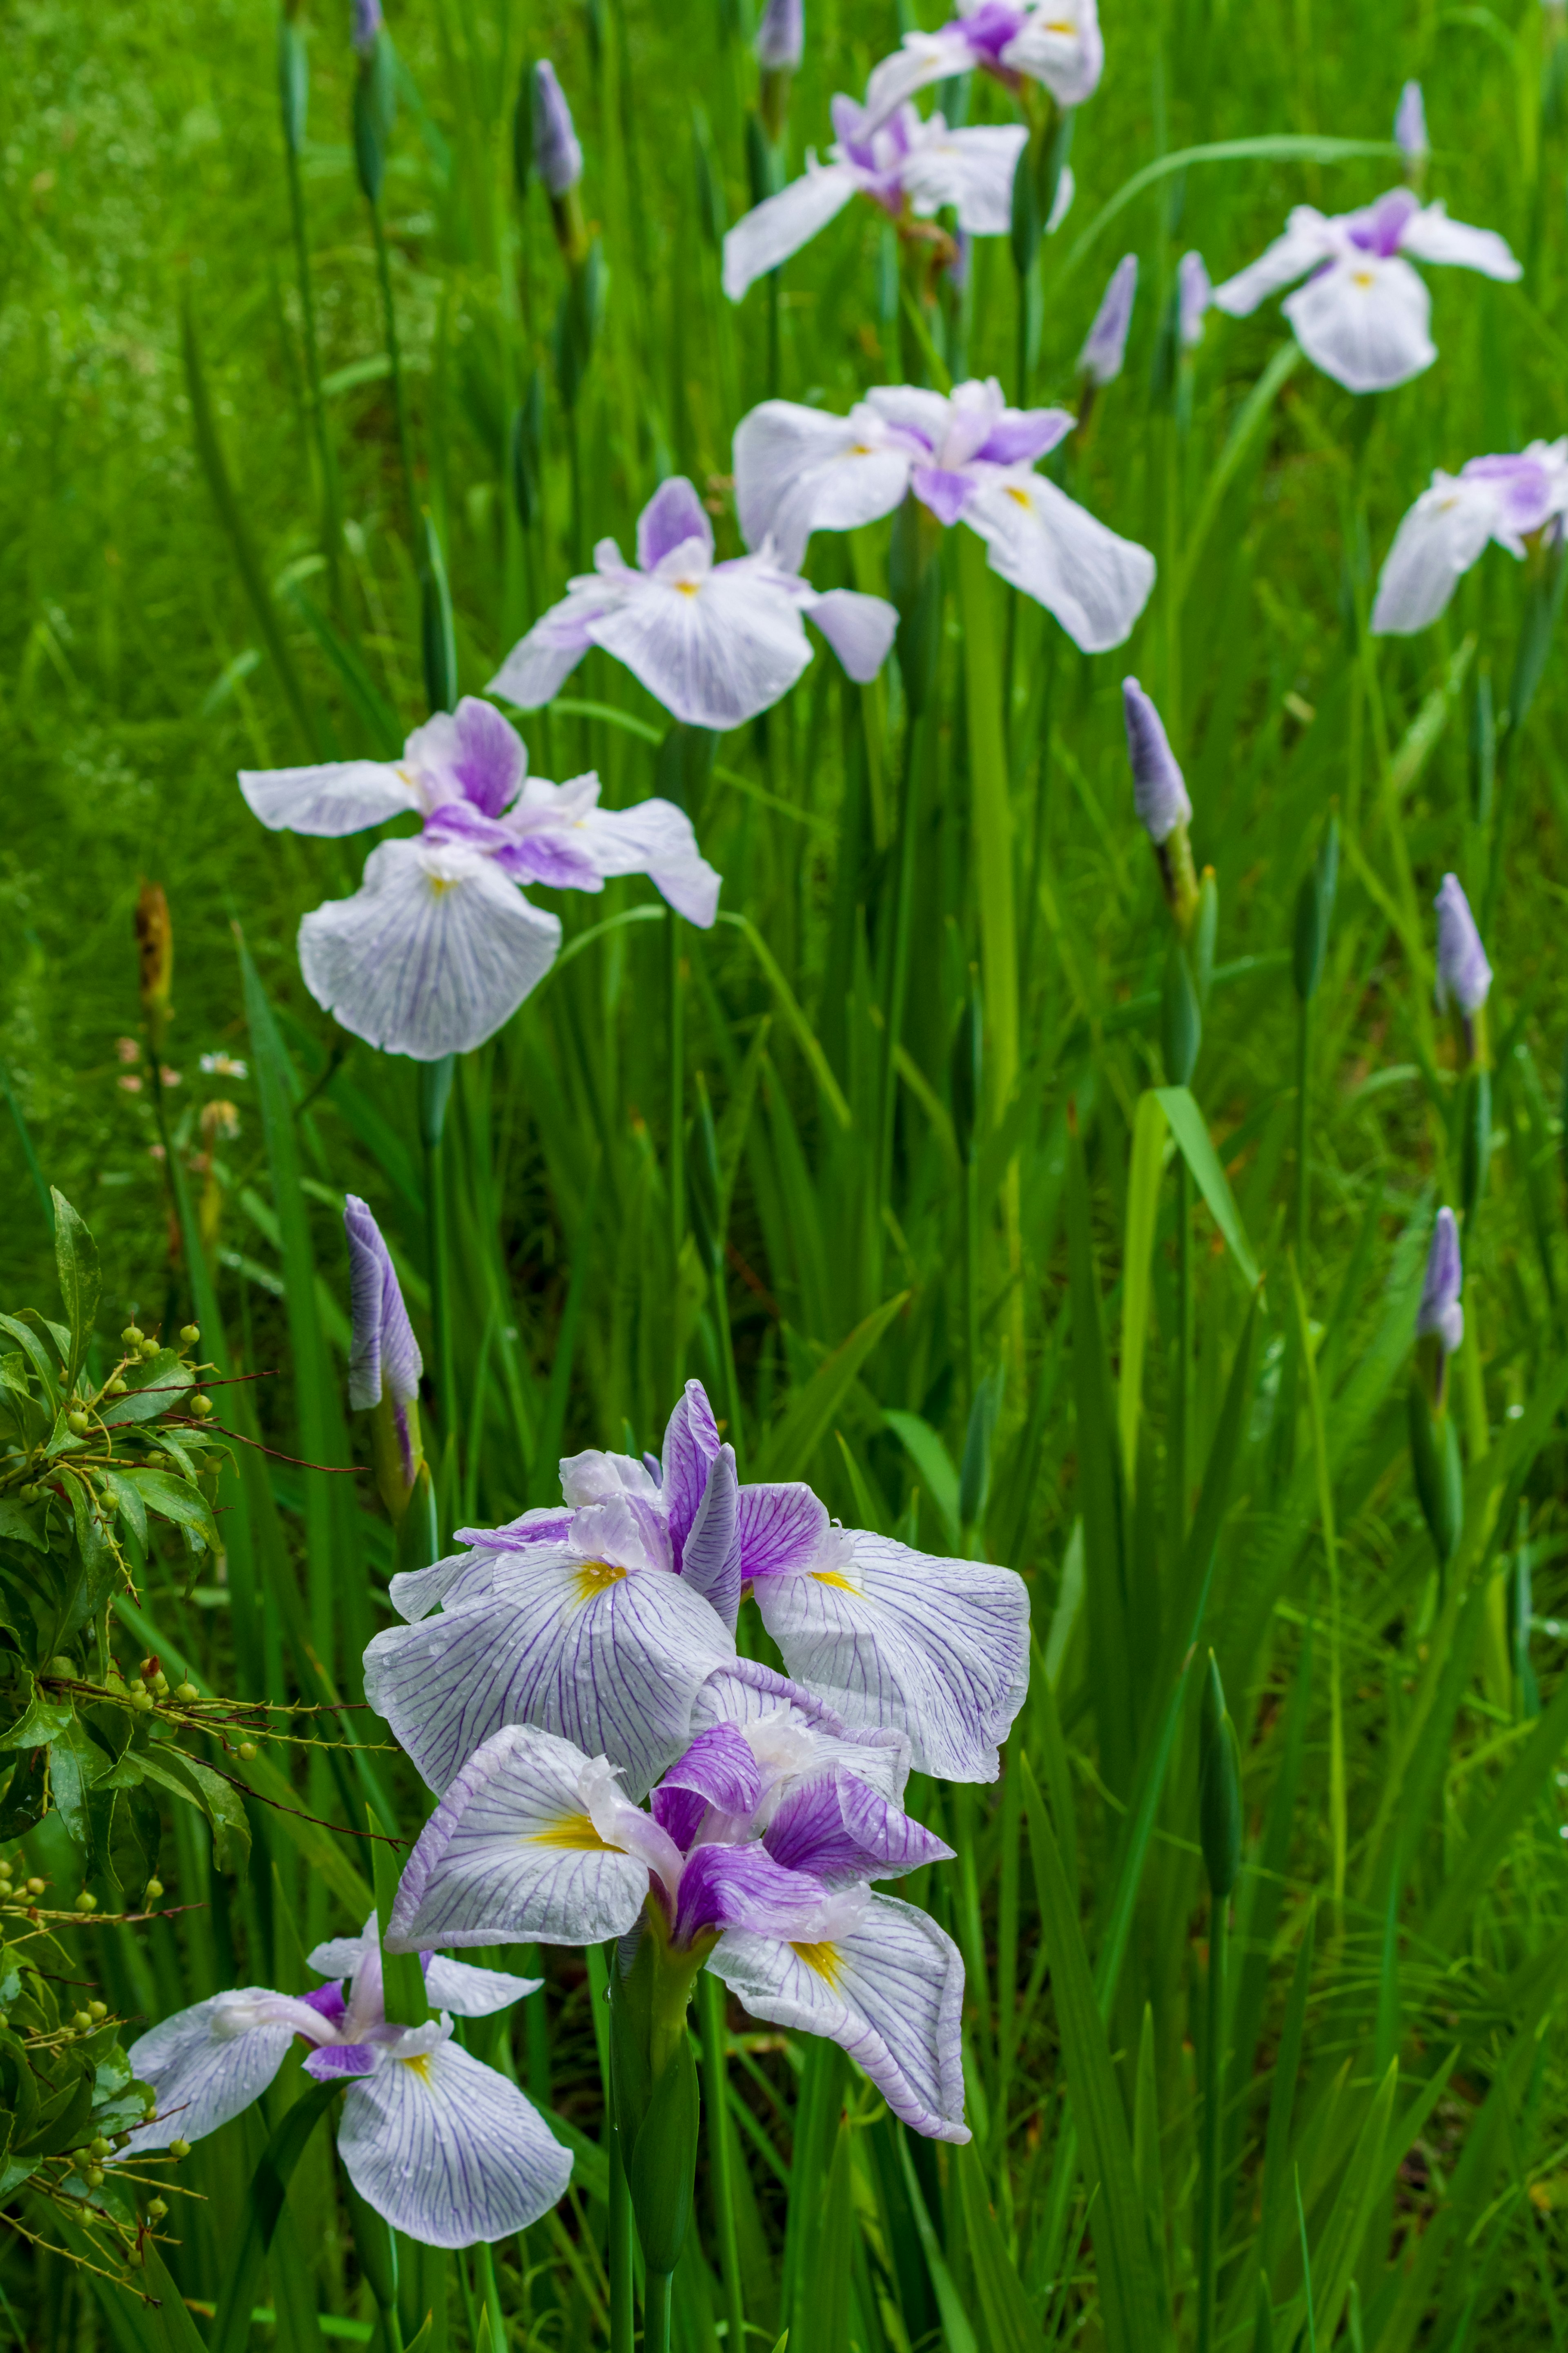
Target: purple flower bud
[(1106, 344), (1440, 1311), (1194, 295), (366, 25), (557, 156), (780, 36), (1464, 975), (385, 1358), (1410, 124), (1157, 784)]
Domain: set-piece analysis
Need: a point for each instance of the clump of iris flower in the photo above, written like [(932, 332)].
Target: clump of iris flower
[(1364, 315), (911, 168), (441, 2147), (1510, 500), (756, 1859), (968, 458), (1055, 42), (716, 643), (439, 946)]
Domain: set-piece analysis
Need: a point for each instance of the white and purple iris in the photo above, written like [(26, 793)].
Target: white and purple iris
[(1364, 315), (906, 166), (715, 643), (444, 2148), (439, 946), (1509, 500), (969, 458), (1054, 42), (758, 1852), (603, 1620)]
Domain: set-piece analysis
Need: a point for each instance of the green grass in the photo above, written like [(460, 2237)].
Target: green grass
[(1396, 2135)]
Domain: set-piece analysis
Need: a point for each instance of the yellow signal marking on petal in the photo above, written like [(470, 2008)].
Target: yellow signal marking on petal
[(575, 1832), (686, 587), (831, 1577), (825, 1959), (419, 2066), (438, 883), (595, 1577), (1363, 277), (1021, 496), (861, 449)]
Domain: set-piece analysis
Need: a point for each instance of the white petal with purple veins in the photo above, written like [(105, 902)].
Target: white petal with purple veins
[(1365, 321), (971, 170), (939, 1649), (540, 664), (654, 839), (890, 1991), (762, 1703), (860, 629), (209, 2063), (798, 470), (449, 2150), (511, 1852), (715, 647), (609, 1660), (1443, 535), (924, 58), (782, 1529), (1309, 238), (780, 225), (468, 1992), (338, 797), (431, 955), (1431, 235), (1044, 543)]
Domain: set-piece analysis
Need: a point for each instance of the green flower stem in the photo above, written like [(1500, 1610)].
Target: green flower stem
[(331, 494), (1213, 2111), (656, 2313), (1303, 1114), (721, 2150), (434, 1091), (395, 364), (898, 961), (1182, 1378), (621, 2254), (676, 1133)]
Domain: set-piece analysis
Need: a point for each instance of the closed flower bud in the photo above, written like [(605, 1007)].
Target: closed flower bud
[(1105, 347), (1219, 1788), (366, 25), (155, 950), (1410, 127), (780, 36), (1440, 1313), (1158, 786), (1464, 975), (557, 153), (1194, 294)]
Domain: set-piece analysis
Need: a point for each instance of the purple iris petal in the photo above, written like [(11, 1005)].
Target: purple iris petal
[(545, 858), (721, 1768), (672, 516), (1380, 227), (337, 2059), (491, 761), (461, 821), (366, 26), (991, 28), (1158, 792), (1440, 1311), (691, 1445), (842, 1831), (780, 1529), (681, 1812), (1019, 439), (780, 36), (546, 1525), (1525, 485), (942, 490), (1464, 975), (557, 154), (328, 2000), (743, 1887), (711, 1555), (384, 1356)]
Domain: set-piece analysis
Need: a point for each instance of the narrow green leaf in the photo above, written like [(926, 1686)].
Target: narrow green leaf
[(787, 1451), (1193, 1140), (76, 1256), (1285, 147), (1006, 2323), (805, 1035), (932, 1461), (1149, 1128), (263, 2205)]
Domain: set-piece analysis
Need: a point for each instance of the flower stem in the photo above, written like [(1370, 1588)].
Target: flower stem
[(677, 1135), (656, 2313), (331, 505), (394, 364), (435, 1091), (1181, 1387), (721, 2150), (1303, 1112), (1214, 2108), (622, 2264)]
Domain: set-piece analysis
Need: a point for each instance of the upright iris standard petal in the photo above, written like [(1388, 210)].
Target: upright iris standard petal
[(431, 955), (1464, 975), (1440, 1311), (384, 1355), (710, 1551), (772, 1710), (936, 1649), (842, 1831), (888, 1989), (557, 154), (1104, 346), (1159, 787), (513, 1851)]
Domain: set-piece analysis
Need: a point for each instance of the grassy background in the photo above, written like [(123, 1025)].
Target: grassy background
[(143, 168)]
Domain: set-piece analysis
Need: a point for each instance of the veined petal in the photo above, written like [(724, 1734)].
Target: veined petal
[(859, 629), (743, 1887), (765, 1705), (654, 839), (472, 755), (888, 1990), (336, 798), (715, 651), (780, 225), (1062, 47), (1443, 535), (798, 470), (939, 1649), (672, 519), (711, 1555), (691, 1444), (1044, 543), (780, 1528), (610, 1660), (468, 1992), (208, 2062), (924, 58), (449, 2150), (842, 1831), (1430, 236), (1365, 321), (971, 170), (1309, 238), (431, 955), (510, 1852), (540, 664)]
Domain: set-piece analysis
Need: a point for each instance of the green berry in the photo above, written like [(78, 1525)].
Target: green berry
[(178, 2148), (87, 1901), (149, 1349), (156, 2209), (186, 1690), (116, 1387), (248, 1750), (154, 1889), (201, 1407), (189, 1335), (97, 2009), (37, 1886), (77, 1422), (131, 1336), (82, 2021), (94, 2176)]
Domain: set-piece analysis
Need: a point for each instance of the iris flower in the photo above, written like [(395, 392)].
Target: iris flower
[(603, 1620), (1056, 42), (1363, 316), (759, 1852), (907, 166), (1464, 975), (1506, 498), (967, 456), (1440, 1311), (439, 947), (715, 643), (444, 2148)]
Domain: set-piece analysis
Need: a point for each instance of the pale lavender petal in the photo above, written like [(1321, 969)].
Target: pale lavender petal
[(327, 2001), (337, 2059), (511, 1854), (1443, 535), (939, 1649), (780, 1528), (1430, 236), (1045, 543), (1310, 237), (780, 42), (973, 171), (540, 664), (1464, 975), (942, 490), (609, 1660), (799, 471), (746, 1693), (1104, 346), (1159, 790), (1410, 124), (340, 796), (711, 1552), (691, 1444), (656, 839), (465, 1576), (674, 515), (491, 761), (888, 1990), (743, 1887), (1060, 45), (385, 1355), (468, 1992), (1194, 299), (716, 647), (207, 2064), (448, 2151), (432, 955), (557, 154), (1365, 321), (841, 1831), (765, 237), (1440, 1311), (860, 629), (924, 58)]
